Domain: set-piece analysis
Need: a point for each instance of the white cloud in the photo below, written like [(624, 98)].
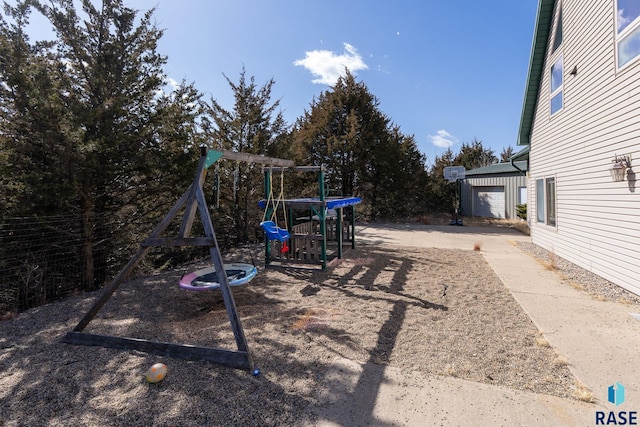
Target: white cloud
[(328, 66), (173, 84), (443, 139), (623, 20), (169, 87)]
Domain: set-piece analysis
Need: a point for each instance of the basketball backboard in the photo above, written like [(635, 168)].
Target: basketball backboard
[(454, 173)]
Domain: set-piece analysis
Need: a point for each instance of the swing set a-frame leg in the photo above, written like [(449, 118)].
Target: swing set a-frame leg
[(194, 196)]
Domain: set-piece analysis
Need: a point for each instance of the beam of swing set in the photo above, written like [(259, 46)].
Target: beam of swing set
[(310, 168), (214, 155)]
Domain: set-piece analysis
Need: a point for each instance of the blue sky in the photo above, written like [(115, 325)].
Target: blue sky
[(445, 72)]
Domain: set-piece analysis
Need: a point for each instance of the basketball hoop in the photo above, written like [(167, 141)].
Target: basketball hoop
[(454, 173)]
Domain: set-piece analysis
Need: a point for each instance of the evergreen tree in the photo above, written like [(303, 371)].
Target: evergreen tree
[(506, 154), (474, 155), (253, 126), (364, 153), (80, 118), (173, 152), (32, 122), (342, 127), (405, 180), (441, 192)]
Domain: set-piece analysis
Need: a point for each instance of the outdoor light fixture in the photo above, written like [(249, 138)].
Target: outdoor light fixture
[(619, 167)]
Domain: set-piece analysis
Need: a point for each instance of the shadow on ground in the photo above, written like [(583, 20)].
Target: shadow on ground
[(439, 312)]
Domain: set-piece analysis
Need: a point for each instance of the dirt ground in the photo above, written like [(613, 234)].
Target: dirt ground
[(435, 311)]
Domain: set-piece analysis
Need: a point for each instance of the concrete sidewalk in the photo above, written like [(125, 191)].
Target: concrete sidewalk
[(599, 340)]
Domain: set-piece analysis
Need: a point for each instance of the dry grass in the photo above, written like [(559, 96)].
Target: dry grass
[(560, 362), (584, 394), (516, 224), (521, 226), (542, 341), (551, 263), (445, 219), (575, 285), (579, 278), (425, 219)]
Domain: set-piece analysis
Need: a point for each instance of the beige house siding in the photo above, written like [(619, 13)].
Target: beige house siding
[(598, 220)]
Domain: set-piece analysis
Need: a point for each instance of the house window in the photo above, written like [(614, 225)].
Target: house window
[(556, 86), (556, 66), (551, 201), (627, 30), (546, 201), (540, 200), (557, 39)]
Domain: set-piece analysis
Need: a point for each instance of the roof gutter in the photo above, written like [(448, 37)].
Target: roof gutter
[(523, 172)]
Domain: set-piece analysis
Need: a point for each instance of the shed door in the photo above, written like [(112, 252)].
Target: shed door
[(488, 202)]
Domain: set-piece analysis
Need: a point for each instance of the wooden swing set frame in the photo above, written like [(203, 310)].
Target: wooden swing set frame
[(192, 201)]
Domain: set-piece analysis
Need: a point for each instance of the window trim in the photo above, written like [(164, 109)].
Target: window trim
[(560, 89), (555, 58), (540, 207), (543, 203), (557, 36), (632, 27), (550, 201)]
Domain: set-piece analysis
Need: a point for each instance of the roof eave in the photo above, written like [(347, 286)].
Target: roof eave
[(520, 155), (536, 63), (499, 169)]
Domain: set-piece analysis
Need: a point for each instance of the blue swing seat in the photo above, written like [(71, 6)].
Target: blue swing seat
[(274, 232)]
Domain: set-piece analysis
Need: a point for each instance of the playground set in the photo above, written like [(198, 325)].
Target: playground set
[(316, 229), (305, 240)]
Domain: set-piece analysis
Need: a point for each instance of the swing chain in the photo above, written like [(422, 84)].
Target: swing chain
[(275, 203)]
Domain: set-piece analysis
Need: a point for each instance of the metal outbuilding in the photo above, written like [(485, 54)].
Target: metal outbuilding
[(494, 191)]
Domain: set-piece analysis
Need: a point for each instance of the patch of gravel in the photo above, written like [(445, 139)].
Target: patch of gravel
[(432, 312), (580, 278)]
